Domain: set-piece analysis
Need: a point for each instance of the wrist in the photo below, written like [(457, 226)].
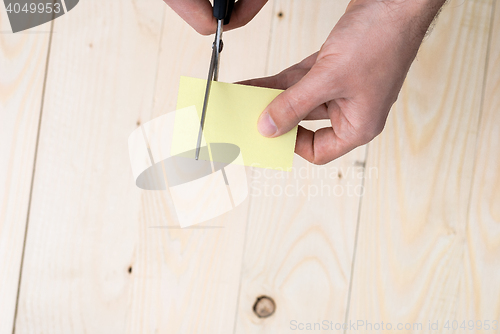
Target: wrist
[(420, 11), (413, 16), (415, 6)]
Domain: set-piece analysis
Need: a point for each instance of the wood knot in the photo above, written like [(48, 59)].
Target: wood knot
[(264, 306), (358, 163), (280, 14)]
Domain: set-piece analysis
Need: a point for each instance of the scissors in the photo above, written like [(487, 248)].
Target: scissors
[(222, 10)]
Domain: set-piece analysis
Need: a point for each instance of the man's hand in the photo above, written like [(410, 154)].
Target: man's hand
[(198, 13), (353, 80)]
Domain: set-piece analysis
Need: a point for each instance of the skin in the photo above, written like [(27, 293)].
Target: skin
[(198, 14), (353, 80)]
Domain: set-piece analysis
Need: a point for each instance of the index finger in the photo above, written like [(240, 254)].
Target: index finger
[(244, 11), (197, 13)]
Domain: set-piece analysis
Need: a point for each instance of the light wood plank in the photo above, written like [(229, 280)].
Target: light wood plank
[(410, 254), (84, 229), (187, 280), (480, 296), (22, 69), (299, 246)]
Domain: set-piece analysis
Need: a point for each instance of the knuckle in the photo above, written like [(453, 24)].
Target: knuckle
[(322, 160), (291, 110), (204, 30), (367, 134)]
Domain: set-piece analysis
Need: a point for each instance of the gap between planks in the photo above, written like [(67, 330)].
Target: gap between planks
[(42, 101), (481, 106), (355, 246), (274, 4)]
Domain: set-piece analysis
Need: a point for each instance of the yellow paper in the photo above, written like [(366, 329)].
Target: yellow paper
[(232, 114)]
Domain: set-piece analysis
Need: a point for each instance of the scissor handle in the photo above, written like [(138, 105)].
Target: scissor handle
[(223, 9)]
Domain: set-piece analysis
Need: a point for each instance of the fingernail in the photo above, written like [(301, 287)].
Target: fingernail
[(266, 125)]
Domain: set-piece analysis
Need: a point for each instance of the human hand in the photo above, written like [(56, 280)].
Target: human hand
[(198, 13), (353, 80)]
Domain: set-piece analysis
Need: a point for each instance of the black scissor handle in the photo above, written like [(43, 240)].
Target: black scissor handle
[(223, 9)]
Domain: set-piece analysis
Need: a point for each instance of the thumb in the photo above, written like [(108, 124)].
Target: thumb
[(293, 105)]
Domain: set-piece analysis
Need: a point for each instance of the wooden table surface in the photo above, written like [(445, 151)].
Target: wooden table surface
[(410, 232)]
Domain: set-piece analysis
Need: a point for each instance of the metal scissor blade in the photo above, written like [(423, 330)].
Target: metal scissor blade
[(205, 104), (213, 74)]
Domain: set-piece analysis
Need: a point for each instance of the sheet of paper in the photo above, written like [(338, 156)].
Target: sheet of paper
[(232, 114)]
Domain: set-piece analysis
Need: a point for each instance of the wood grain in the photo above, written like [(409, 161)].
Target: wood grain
[(22, 70), (187, 280), (103, 256), (83, 230), (410, 254), (301, 224), (480, 294)]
